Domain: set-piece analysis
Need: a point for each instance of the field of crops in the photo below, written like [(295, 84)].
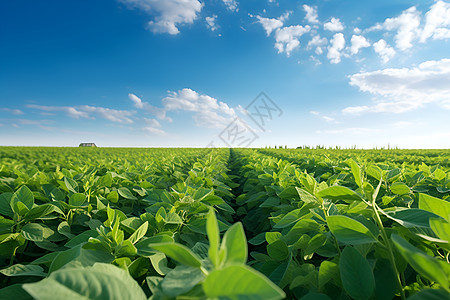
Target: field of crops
[(118, 223)]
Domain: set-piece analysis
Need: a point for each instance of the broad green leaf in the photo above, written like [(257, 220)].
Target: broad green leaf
[(180, 253), (240, 282), (71, 184), (78, 256), (435, 205), (350, 231), (159, 263), (328, 271), (77, 199), (426, 265), (441, 228), (273, 236), (399, 188), (305, 196), (278, 250), (356, 171), (139, 233), (101, 281), (315, 296), (23, 270), (24, 195), (5, 204), (385, 280), (430, 294), (410, 217), (144, 247), (41, 211), (14, 291), (235, 243), (113, 197), (356, 274), (212, 229), (126, 248), (181, 280), (33, 232), (341, 193), (124, 192)]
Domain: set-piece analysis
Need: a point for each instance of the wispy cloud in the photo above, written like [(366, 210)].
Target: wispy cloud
[(385, 51), (12, 111), (211, 22), (89, 112)]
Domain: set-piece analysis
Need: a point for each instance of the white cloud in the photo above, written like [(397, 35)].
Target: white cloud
[(168, 14), (406, 25), (87, 112), (153, 110), (270, 24), (153, 126), (231, 5), (385, 51), (155, 130), (333, 25), (404, 89), (437, 22), (208, 111), (311, 13), (114, 115), (12, 111), (137, 101), (211, 22), (356, 30), (317, 42), (286, 38), (358, 42), (70, 111), (337, 45)]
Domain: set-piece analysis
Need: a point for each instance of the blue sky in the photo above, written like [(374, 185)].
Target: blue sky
[(185, 73)]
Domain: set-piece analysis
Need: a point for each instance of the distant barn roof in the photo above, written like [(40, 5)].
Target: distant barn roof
[(88, 145)]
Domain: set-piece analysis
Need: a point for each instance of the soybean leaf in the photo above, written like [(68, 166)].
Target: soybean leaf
[(77, 199), (410, 217), (124, 192), (71, 184), (434, 205), (399, 188), (181, 280), (180, 253), (24, 195), (23, 270), (337, 193), (278, 250), (212, 229), (350, 231), (33, 232), (356, 171), (144, 247), (101, 281), (240, 282), (426, 265), (356, 274), (430, 294), (235, 243), (139, 233), (5, 204)]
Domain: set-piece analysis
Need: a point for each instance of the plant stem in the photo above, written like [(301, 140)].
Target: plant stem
[(389, 248)]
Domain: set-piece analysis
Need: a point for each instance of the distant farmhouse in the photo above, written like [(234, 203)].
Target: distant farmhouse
[(87, 145)]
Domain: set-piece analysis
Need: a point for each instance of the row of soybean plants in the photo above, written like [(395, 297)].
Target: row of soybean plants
[(121, 224), (347, 230)]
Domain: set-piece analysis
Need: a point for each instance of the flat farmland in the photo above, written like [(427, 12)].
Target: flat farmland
[(197, 223)]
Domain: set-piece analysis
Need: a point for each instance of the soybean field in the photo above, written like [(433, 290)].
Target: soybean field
[(197, 223)]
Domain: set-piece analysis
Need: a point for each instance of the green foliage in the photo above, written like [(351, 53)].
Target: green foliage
[(173, 223)]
